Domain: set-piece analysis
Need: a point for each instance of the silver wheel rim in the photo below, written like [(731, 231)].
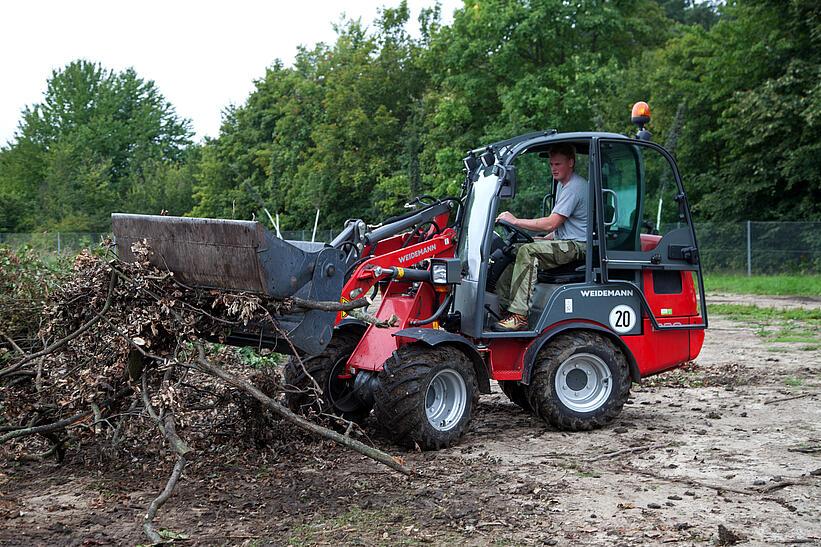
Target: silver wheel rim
[(445, 400), (583, 382)]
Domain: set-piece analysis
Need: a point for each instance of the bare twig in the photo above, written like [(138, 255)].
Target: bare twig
[(630, 451), (773, 401)]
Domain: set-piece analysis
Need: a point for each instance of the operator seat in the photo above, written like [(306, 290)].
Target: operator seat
[(572, 272)]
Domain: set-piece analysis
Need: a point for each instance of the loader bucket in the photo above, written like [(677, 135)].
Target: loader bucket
[(242, 255)]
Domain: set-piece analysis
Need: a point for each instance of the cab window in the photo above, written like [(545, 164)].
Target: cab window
[(535, 185), (639, 195)]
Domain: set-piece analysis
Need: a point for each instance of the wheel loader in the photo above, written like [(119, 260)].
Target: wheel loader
[(633, 307)]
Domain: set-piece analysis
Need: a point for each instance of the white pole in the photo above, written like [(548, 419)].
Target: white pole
[(658, 217), (274, 224), (749, 251), (316, 223)]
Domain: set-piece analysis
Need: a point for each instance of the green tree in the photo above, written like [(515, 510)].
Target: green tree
[(749, 148), (80, 153), (508, 67), (339, 131)]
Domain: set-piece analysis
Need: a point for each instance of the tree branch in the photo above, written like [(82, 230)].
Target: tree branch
[(331, 306), (243, 384), (61, 424), (159, 501)]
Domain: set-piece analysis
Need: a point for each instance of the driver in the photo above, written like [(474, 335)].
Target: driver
[(564, 243)]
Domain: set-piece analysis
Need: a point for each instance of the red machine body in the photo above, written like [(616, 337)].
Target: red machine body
[(653, 351)]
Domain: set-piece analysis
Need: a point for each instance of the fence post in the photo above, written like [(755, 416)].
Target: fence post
[(749, 251), (58, 243)]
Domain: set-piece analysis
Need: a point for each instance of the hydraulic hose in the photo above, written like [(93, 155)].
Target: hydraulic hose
[(439, 311)]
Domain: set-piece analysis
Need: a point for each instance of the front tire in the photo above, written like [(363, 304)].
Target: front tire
[(581, 381), (426, 396), (338, 395)]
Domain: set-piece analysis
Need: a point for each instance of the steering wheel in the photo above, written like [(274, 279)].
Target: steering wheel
[(515, 234)]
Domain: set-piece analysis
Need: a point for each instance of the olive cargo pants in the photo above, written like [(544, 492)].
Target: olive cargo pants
[(515, 286)]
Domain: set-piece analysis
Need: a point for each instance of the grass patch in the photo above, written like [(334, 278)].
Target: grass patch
[(796, 326), (794, 382), (777, 285), (362, 527), (741, 312), (260, 358)]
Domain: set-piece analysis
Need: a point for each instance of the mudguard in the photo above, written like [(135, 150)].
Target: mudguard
[(436, 337), (529, 358)]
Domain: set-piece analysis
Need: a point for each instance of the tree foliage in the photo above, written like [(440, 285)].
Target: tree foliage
[(357, 127), (99, 141)]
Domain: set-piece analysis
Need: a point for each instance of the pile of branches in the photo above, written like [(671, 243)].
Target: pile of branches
[(119, 361)]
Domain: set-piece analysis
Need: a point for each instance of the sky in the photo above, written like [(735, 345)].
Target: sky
[(203, 55)]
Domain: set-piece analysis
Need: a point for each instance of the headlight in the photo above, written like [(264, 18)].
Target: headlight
[(445, 271), (439, 274)]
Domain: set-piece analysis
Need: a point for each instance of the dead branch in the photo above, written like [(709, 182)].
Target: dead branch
[(773, 401), (159, 501), (166, 424), (331, 306), (800, 481), (87, 325), (688, 481), (806, 449), (60, 424), (372, 319), (165, 421), (632, 450), (243, 384), (37, 457), (13, 343)]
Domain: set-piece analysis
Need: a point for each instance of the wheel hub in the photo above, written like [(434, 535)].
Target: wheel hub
[(583, 382), (340, 389), (445, 400)]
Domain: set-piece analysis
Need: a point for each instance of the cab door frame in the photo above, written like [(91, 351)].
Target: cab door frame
[(659, 258)]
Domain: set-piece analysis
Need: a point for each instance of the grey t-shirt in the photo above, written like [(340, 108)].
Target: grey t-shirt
[(571, 202)]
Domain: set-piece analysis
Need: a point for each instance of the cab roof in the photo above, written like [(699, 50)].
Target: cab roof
[(505, 147)]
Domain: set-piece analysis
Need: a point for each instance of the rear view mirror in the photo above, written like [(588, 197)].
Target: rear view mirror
[(508, 189), (545, 199), (611, 207)]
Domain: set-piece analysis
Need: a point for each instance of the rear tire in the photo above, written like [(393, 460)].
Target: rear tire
[(426, 396), (581, 381), (517, 393), (338, 395)]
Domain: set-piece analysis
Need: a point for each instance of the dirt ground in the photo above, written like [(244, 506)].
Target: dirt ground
[(718, 453)]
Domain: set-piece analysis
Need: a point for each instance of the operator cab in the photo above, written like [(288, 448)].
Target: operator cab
[(534, 196), (639, 235)]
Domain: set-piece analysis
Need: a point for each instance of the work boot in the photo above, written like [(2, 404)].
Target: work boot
[(512, 322)]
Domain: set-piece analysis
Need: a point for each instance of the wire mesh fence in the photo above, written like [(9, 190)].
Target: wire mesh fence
[(760, 248), (752, 248)]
